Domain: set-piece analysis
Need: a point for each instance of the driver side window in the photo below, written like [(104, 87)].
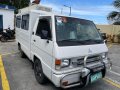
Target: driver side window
[(44, 28)]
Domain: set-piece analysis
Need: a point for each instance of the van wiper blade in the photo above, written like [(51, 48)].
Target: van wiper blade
[(92, 40), (68, 40), (72, 40)]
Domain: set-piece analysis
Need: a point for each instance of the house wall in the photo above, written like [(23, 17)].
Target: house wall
[(109, 29), (8, 18)]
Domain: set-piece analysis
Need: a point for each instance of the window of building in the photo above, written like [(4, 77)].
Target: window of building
[(25, 22), (18, 21)]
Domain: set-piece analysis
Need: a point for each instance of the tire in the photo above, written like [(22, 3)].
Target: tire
[(22, 54), (3, 39), (39, 75)]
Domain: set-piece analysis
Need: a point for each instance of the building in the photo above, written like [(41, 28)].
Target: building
[(6, 17)]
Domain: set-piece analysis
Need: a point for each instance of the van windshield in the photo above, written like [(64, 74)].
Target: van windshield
[(73, 31)]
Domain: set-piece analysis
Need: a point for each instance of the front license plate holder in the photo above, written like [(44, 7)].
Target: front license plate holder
[(95, 77)]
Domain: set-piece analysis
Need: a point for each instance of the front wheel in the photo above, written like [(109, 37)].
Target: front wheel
[(39, 75)]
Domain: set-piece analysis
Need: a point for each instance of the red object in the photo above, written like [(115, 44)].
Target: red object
[(36, 1)]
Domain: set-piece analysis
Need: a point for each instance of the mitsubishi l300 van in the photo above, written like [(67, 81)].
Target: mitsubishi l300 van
[(68, 51)]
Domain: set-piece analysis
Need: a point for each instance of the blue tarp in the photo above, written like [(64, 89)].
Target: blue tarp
[(7, 7)]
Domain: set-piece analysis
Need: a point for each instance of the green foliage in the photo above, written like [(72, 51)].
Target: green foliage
[(116, 4), (18, 4), (7, 2), (111, 16)]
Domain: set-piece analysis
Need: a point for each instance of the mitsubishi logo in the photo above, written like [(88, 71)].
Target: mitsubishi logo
[(89, 51)]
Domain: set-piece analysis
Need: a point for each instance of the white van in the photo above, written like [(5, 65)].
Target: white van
[(66, 50)]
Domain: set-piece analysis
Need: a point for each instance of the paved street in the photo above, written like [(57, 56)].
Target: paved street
[(21, 75)]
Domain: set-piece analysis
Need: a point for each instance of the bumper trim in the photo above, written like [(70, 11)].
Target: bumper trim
[(69, 85)]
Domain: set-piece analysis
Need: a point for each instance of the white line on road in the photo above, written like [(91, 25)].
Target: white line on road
[(118, 74), (116, 66)]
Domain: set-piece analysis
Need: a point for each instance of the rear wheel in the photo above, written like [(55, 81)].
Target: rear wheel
[(3, 39), (39, 75), (22, 54)]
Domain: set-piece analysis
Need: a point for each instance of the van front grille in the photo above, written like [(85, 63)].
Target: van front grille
[(90, 60)]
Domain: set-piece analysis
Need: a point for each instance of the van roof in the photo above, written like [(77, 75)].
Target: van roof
[(46, 11)]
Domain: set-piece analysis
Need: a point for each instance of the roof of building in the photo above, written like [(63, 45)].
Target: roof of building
[(3, 6)]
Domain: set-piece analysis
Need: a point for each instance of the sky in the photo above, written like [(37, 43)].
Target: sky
[(95, 10)]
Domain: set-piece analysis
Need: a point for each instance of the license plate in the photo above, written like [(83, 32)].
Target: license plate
[(95, 77)]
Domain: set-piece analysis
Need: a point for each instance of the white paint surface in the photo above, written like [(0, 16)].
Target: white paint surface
[(8, 18)]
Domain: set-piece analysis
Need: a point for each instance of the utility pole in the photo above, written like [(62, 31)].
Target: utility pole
[(69, 8), (61, 10)]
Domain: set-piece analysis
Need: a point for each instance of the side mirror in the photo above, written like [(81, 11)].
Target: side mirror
[(105, 41), (32, 33)]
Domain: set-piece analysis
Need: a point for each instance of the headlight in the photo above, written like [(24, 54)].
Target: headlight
[(61, 63), (65, 63), (104, 55)]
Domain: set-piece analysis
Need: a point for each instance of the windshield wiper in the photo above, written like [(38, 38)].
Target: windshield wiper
[(93, 40), (72, 40), (68, 40)]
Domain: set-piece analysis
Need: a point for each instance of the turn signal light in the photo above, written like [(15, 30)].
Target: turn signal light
[(65, 83), (57, 62)]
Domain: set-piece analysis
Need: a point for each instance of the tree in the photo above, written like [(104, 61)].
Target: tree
[(114, 16), (5, 2), (18, 4)]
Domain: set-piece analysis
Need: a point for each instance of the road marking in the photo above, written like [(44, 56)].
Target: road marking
[(115, 73), (112, 82), (9, 53), (116, 66), (5, 83)]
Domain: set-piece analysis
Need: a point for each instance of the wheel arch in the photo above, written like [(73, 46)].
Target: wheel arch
[(37, 57), (40, 59)]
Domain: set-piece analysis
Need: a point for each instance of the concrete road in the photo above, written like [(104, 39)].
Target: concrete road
[(21, 75), (114, 54)]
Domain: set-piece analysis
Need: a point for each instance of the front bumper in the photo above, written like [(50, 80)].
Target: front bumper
[(80, 77), (108, 63)]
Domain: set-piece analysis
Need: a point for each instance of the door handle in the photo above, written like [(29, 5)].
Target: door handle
[(34, 40), (32, 33)]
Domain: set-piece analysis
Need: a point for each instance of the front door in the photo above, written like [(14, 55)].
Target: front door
[(1, 23), (42, 43)]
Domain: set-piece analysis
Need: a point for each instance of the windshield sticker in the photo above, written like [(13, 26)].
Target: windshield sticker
[(64, 19), (59, 19)]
